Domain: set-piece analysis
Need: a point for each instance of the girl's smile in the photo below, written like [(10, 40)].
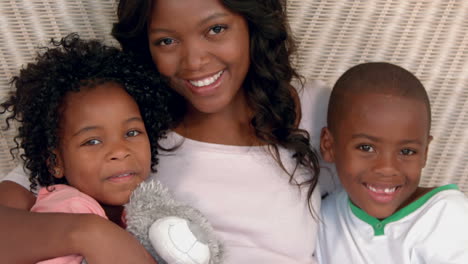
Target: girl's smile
[(122, 176)]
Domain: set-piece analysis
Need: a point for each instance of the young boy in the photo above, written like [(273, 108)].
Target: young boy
[(378, 135)]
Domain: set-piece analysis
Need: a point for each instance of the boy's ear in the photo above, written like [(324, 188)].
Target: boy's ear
[(429, 140), (56, 170), (326, 145)]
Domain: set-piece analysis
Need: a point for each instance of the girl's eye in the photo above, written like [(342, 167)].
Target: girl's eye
[(217, 29), (133, 133), (366, 148), (165, 42), (407, 152), (92, 142)]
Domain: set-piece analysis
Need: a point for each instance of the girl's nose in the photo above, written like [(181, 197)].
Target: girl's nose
[(118, 151)]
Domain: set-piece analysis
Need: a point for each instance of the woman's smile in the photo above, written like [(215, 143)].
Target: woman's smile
[(205, 86)]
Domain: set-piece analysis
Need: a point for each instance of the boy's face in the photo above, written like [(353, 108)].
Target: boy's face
[(104, 150), (379, 148)]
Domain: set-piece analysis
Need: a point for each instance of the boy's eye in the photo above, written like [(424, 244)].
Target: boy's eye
[(133, 133), (92, 142), (217, 29), (407, 152), (366, 148)]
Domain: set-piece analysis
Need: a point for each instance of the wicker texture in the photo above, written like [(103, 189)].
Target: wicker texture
[(428, 37)]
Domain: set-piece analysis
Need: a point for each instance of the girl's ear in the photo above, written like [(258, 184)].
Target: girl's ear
[(57, 170), (326, 145)]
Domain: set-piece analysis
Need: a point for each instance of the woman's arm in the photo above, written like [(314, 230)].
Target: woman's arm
[(28, 237), (15, 196)]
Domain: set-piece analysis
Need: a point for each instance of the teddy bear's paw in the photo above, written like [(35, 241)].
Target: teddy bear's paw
[(174, 241)]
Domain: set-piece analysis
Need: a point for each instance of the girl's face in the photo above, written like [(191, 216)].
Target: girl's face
[(204, 49), (104, 150)]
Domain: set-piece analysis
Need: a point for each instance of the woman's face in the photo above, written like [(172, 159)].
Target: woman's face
[(204, 49)]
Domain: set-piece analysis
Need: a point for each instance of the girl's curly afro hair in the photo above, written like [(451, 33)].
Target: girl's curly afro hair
[(69, 65)]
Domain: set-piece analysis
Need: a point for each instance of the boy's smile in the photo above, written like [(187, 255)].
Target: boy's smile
[(379, 148)]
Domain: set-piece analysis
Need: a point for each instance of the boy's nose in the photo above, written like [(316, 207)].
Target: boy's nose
[(386, 165)]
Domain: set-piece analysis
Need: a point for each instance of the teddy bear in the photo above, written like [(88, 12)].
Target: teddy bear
[(171, 231)]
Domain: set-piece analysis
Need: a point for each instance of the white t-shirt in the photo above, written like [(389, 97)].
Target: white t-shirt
[(246, 196), (432, 229)]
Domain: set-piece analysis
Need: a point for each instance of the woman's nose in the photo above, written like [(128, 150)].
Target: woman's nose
[(194, 55)]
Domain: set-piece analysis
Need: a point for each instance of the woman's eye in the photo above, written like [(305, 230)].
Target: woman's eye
[(217, 29), (165, 42), (92, 142), (133, 133), (407, 152), (366, 148)]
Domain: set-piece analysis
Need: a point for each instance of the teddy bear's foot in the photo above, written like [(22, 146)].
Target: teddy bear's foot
[(177, 243)]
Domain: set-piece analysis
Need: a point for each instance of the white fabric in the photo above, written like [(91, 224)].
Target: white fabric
[(259, 216), (435, 233)]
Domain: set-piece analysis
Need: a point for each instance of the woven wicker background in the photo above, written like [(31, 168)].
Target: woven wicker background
[(428, 37)]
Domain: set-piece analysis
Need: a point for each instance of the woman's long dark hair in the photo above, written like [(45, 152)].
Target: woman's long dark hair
[(267, 85)]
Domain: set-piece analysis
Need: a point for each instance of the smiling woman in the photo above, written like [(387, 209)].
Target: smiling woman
[(240, 136), (205, 55)]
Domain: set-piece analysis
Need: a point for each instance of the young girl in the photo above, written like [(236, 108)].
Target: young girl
[(244, 157), (82, 109)]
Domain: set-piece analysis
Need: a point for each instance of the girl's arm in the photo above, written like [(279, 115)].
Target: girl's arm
[(28, 237)]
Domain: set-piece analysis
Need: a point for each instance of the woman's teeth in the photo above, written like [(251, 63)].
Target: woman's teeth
[(206, 81)]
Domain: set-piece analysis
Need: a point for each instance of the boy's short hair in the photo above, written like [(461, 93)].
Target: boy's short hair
[(378, 78)]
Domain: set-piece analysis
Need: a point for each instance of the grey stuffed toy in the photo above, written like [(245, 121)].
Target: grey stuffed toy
[(172, 232)]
